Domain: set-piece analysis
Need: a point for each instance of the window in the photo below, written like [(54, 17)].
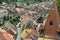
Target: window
[(51, 23)]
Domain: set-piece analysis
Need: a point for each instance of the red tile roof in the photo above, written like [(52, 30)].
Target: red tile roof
[(5, 36)]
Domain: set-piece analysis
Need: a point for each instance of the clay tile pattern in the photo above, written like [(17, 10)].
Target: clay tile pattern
[(5, 36)]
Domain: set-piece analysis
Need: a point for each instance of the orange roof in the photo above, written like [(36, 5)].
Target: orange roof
[(5, 36), (19, 9)]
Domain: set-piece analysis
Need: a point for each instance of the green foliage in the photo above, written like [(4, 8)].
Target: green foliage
[(40, 20), (10, 1), (15, 19), (1, 22), (58, 5), (0, 1)]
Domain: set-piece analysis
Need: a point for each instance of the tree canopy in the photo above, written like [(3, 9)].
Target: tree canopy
[(58, 5), (10, 1)]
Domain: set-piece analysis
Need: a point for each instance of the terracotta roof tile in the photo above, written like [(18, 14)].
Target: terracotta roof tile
[(5, 36)]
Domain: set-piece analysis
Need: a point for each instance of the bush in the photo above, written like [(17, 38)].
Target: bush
[(1, 22), (15, 19)]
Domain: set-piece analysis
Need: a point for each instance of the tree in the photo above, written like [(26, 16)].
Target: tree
[(10, 1), (15, 19), (58, 5), (0, 1), (1, 22)]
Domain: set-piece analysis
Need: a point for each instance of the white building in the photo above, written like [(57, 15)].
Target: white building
[(3, 12)]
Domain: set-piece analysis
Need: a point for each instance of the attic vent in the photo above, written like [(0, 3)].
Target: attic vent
[(51, 23)]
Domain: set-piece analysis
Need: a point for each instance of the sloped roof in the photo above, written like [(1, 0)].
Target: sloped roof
[(29, 22), (11, 27), (5, 36), (25, 17)]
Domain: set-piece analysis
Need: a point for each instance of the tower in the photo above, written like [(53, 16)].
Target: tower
[(52, 22)]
